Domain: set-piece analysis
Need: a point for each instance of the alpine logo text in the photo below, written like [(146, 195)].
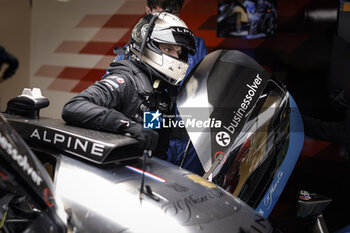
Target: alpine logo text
[(71, 143)]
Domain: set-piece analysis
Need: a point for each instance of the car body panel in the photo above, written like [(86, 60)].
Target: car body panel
[(98, 176), (296, 141), (260, 123), (106, 198)]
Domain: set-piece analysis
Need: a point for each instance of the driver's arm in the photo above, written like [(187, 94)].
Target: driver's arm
[(96, 107)]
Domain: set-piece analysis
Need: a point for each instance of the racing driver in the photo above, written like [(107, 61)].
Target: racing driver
[(147, 80)]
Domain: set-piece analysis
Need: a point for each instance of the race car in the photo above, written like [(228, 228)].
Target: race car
[(59, 178)]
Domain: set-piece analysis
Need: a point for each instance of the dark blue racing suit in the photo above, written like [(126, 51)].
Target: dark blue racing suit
[(178, 144)]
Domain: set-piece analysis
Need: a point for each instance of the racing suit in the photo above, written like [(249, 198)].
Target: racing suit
[(119, 100), (178, 142)]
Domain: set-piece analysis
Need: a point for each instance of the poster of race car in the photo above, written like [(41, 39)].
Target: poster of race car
[(249, 19)]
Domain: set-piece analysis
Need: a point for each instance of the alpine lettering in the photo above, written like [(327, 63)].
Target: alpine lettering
[(71, 143)]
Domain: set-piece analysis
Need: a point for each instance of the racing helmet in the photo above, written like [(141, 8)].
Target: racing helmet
[(162, 27)]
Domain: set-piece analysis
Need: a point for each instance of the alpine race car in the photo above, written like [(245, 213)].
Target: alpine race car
[(59, 178)]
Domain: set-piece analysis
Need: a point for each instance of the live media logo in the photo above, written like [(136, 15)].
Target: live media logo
[(152, 120)]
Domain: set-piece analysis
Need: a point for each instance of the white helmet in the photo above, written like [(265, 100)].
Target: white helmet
[(165, 28)]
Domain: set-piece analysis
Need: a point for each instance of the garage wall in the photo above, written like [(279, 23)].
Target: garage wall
[(15, 37), (63, 45), (67, 40)]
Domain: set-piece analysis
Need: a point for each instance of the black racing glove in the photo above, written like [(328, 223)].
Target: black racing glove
[(148, 138)]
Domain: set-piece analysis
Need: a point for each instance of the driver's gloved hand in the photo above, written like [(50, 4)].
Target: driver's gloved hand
[(148, 138)]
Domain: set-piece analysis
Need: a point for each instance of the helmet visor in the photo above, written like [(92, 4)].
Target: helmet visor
[(175, 35)]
